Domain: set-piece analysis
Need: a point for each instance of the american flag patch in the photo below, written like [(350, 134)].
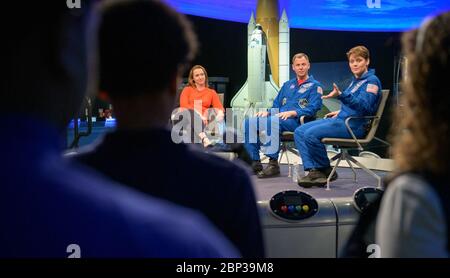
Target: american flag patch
[(372, 88), (319, 90)]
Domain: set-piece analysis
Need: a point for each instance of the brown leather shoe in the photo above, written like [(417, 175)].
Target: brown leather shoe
[(317, 177), (257, 166), (272, 170), (314, 178)]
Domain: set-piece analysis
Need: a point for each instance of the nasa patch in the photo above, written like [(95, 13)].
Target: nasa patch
[(304, 87), (359, 84), (292, 86), (303, 102)]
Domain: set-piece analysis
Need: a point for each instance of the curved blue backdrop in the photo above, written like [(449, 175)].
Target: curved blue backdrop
[(341, 15)]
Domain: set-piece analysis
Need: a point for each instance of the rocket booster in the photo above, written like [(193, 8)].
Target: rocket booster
[(267, 17)]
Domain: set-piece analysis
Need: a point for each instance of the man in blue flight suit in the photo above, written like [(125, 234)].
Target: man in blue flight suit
[(300, 96), (361, 98)]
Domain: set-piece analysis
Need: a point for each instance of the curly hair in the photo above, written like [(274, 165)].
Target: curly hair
[(420, 133)]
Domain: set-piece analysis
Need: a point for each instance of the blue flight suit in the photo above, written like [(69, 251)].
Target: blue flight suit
[(361, 98), (127, 156), (305, 99), (53, 208)]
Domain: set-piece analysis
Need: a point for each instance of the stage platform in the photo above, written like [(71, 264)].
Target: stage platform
[(344, 186), (323, 235)]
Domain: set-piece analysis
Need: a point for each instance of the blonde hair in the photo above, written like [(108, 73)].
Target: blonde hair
[(191, 76), (420, 135), (300, 55)]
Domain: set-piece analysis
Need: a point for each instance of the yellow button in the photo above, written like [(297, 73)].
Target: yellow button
[(305, 208)]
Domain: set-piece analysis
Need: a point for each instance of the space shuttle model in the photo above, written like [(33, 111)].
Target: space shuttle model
[(267, 37)]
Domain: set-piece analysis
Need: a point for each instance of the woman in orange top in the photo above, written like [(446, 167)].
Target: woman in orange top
[(198, 97)]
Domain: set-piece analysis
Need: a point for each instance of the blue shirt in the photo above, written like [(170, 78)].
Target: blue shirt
[(149, 161), (49, 205), (305, 99), (361, 98)]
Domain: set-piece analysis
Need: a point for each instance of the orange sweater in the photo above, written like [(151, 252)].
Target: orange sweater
[(208, 98)]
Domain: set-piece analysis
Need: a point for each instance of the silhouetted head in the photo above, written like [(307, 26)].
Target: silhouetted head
[(143, 47), (46, 60)]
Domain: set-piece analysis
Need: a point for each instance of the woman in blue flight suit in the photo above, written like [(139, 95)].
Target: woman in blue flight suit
[(361, 98)]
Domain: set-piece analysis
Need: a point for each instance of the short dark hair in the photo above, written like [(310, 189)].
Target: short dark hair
[(143, 44)]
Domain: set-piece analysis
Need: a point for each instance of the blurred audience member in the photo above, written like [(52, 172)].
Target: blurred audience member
[(414, 216)]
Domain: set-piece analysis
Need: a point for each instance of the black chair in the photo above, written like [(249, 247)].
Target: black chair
[(286, 141)]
